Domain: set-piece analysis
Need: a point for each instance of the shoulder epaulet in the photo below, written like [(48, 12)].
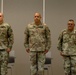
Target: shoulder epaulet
[(30, 24), (6, 24)]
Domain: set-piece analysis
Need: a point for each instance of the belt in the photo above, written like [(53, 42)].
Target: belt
[(2, 49)]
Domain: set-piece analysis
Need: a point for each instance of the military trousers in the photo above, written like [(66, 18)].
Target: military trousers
[(70, 65), (37, 63), (3, 62)]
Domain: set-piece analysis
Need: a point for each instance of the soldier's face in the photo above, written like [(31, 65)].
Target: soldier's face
[(71, 25), (37, 17), (1, 17)]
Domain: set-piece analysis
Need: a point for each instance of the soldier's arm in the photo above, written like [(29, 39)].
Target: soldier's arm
[(26, 40), (60, 40), (48, 38), (10, 37)]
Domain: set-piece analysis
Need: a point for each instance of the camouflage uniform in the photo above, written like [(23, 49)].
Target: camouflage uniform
[(37, 39), (6, 41), (67, 45)]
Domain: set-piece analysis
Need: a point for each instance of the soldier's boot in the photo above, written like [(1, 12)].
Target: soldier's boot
[(41, 73)]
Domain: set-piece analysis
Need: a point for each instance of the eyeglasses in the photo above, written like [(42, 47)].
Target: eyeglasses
[(70, 24)]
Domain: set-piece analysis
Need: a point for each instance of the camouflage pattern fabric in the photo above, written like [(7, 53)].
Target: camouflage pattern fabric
[(3, 62), (70, 65), (37, 37), (67, 45), (39, 64), (67, 42), (37, 40), (6, 41), (6, 36)]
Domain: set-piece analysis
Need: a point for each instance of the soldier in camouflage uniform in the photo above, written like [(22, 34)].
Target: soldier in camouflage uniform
[(67, 48), (37, 43), (6, 42)]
